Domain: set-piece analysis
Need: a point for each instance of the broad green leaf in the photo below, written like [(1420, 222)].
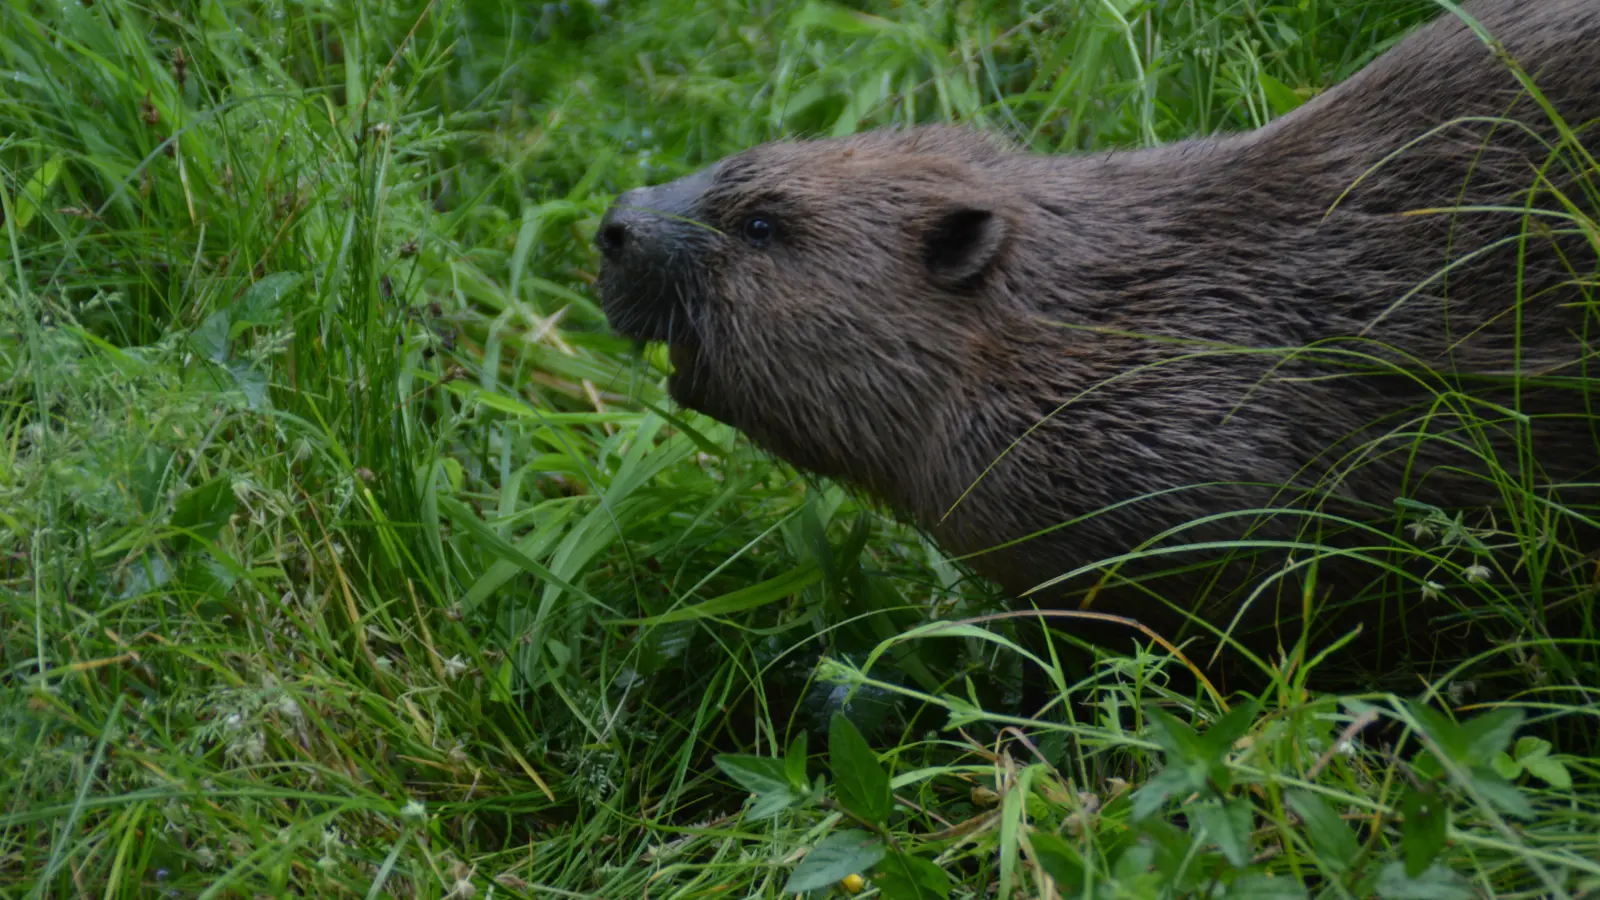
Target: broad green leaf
[(1132, 867), (560, 655), (147, 573), (262, 302), (756, 774), (1154, 793), (904, 877), (1222, 735), (1445, 734), (1434, 883), (500, 686), (1059, 860), (1529, 747), (203, 510), (659, 647), (859, 779), (1508, 768), (840, 19), (764, 777), (1280, 96), (1228, 824), (1422, 833), (794, 762), (210, 339), (766, 806), (1173, 851), (1551, 771), (1500, 792), (1257, 886), (1485, 735), (1333, 840), (207, 576), (1426, 766), (847, 852), (1175, 737), (251, 383), (32, 196)]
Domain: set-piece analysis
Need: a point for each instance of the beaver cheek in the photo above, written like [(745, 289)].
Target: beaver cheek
[(682, 355), (691, 384)]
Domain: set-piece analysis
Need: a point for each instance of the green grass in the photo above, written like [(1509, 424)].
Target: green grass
[(344, 551)]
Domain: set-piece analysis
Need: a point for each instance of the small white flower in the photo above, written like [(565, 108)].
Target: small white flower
[(454, 666), (1420, 530), (414, 809), (289, 708), (1476, 572), (243, 490), (1432, 590)]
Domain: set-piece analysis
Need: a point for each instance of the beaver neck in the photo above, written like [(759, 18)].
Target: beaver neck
[(1149, 276)]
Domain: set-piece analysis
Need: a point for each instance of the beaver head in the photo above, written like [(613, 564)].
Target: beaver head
[(829, 298)]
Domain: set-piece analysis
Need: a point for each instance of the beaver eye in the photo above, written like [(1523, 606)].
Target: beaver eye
[(758, 230)]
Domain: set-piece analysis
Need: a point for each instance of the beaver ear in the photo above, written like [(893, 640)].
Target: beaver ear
[(962, 241)]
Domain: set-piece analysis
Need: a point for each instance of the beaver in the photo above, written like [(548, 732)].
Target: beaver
[(1118, 365)]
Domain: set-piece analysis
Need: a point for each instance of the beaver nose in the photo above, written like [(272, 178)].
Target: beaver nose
[(612, 236), (619, 224)]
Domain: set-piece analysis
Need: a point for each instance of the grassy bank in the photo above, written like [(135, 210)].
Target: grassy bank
[(344, 551)]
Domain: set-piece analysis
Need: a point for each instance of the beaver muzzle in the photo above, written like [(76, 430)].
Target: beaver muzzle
[(651, 241)]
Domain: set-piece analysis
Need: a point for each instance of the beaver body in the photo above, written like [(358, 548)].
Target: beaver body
[(1048, 362)]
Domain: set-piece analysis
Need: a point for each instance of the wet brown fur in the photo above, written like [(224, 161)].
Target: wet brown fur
[(929, 297)]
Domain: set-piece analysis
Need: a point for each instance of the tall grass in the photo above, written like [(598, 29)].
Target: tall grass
[(343, 550)]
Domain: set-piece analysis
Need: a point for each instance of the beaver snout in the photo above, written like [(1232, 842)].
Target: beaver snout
[(648, 240), (651, 220), (622, 221)]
